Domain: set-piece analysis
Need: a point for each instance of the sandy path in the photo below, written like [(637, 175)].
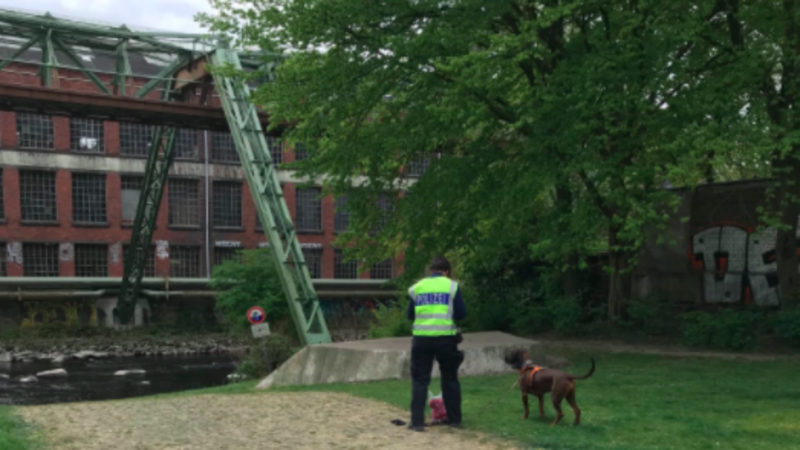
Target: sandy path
[(249, 421)]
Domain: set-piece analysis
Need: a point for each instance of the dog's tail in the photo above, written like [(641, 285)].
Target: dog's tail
[(591, 371)]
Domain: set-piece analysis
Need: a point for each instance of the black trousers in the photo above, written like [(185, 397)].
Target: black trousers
[(423, 351)]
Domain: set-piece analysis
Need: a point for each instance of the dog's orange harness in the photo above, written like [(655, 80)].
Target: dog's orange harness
[(533, 368)]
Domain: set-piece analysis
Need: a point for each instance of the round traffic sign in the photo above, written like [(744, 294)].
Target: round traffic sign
[(256, 315)]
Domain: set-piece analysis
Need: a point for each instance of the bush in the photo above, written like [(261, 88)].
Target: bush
[(390, 320), (265, 355), (730, 330), (651, 316), (248, 280), (564, 314), (787, 325)]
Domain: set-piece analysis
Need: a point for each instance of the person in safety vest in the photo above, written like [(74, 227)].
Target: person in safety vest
[(435, 305)]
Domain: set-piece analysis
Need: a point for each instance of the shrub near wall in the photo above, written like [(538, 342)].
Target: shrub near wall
[(786, 325), (729, 329)]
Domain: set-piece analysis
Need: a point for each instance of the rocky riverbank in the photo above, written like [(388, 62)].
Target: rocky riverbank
[(60, 349)]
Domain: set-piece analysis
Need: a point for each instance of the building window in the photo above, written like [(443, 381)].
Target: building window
[(149, 264), (187, 144), (222, 254), (91, 260), (131, 189), (313, 257), (184, 202), (35, 130), (88, 198), (2, 203), (3, 259), (417, 166), (341, 216), (184, 261), (227, 204), (381, 270), (37, 194), (275, 149), (223, 148), (300, 151), (309, 209), (86, 135), (40, 260), (344, 268), (134, 138)]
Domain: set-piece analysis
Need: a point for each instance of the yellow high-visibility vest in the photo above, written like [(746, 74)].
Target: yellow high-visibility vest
[(433, 306)]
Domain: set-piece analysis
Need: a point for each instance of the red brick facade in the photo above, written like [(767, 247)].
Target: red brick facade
[(13, 230)]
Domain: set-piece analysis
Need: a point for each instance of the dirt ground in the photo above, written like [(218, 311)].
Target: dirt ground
[(310, 420)]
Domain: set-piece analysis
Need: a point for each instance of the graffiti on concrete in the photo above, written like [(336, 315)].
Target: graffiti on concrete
[(115, 252), (738, 264), (79, 312), (14, 252), (66, 251), (162, 249)]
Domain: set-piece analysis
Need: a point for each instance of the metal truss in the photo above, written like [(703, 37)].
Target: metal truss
[(184, 82), (256, 160)]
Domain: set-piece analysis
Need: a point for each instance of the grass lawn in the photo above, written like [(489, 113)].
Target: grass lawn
[(631, 402), (14, 434), (636, 401)]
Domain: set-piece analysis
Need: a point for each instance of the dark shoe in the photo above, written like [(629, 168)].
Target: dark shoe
[(416, 428), (454, 424)]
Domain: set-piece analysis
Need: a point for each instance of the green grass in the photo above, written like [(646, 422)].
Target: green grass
[(635, 402), (14, 434), (632, 402)]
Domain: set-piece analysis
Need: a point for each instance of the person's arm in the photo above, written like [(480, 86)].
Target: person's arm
[(410, 311), (459, 308)]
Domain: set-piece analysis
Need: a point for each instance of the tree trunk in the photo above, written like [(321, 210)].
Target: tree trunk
[(569, 279), (618, 285), (786, 243)]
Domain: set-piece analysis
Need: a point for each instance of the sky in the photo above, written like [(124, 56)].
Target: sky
[(157, 15)]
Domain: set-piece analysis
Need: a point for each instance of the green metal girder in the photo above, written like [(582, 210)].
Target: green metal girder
[(123, 67), (159, 160), (20, 51), (71, 55), (245, 127), (48, 59)]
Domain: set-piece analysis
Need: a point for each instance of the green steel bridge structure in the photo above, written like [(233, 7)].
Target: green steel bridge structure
[(180, 93)]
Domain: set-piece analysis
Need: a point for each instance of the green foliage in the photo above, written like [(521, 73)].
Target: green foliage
[(265, 355), (729, 329), (786, 325), (251, 279), (651, 316), (390, 320)]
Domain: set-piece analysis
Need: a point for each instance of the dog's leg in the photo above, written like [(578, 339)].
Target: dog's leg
[(541, 406), (556, 396), (525, 405), (574, 405)]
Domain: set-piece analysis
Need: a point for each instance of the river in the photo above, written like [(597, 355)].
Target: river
[(95, 380)]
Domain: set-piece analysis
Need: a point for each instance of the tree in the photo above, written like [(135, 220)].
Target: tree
[(554, 119)]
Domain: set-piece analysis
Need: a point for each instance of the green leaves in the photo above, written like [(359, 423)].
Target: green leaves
[(558, 123)]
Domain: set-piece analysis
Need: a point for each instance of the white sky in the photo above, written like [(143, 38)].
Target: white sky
[(158, 15)]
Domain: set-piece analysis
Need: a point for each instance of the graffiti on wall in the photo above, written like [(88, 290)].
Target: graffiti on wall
[(738, 264)]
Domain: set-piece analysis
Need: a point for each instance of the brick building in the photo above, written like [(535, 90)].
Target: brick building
[(69, 186)]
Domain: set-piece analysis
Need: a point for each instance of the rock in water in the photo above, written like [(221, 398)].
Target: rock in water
[(129, 372), (55, 373)]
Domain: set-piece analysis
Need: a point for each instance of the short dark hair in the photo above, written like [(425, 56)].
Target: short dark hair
[(440, 264)]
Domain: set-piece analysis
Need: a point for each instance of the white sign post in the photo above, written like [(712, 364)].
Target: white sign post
[(260, 330)]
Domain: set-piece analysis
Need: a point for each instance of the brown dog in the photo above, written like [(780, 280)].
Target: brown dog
[(538, 381)]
